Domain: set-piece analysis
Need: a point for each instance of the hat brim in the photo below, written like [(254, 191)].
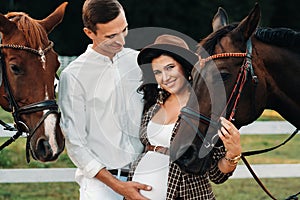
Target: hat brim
[(144, 58)]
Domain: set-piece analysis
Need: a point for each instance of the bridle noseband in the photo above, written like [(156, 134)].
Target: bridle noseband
[(17, 111)]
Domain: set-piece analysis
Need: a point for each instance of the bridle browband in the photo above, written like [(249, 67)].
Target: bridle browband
[(17, 111), (203, 61), (39, 52)]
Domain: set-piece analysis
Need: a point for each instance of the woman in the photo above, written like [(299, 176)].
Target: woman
[(166, 67)]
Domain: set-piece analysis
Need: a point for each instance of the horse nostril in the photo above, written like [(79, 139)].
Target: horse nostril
[(44, 149)]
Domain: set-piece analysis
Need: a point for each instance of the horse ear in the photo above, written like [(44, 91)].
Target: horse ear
[(54, 18), (6, 26), (220, 19), (249, 24)]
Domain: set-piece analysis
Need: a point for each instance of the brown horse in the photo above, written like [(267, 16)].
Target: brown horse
[(243, 70), (28, 68)]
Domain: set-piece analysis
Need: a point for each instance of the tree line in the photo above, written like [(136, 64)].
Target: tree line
[(190, 17)]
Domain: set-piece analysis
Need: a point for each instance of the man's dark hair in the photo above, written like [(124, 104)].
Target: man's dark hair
[(99, 11)]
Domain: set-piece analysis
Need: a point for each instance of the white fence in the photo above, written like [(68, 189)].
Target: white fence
[(257, 127), (268, 127), (65, 60), (262, 170), (67, 174)]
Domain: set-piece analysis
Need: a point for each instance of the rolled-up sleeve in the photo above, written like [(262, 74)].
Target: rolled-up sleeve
[(215, 174)]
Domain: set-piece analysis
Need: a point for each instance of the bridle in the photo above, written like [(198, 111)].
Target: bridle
[(17, 111), (246, 69)]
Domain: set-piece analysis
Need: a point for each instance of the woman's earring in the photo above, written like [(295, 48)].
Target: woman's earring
[(160, 97), (190, 79)]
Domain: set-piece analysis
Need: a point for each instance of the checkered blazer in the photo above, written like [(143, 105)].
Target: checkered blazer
[(182, 185)]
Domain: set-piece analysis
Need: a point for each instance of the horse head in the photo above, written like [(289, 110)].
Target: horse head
[(242, 71), (214, 78), (225, 55), (29, 66), (266, 56)]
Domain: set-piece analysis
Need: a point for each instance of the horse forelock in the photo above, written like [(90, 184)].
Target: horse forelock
[(212, 39), (33, 32), (283, 37)]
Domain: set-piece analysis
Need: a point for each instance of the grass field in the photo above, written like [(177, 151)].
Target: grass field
[(267, 115), (234, 189)]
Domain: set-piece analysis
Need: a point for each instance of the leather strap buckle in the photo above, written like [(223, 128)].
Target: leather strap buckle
[(158, 149)]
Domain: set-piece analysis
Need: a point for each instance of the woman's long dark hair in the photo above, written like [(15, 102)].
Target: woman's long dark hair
[(149, 87)]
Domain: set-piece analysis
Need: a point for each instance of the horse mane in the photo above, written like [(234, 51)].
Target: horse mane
[(34, 33), (283, 37), (211, 41)]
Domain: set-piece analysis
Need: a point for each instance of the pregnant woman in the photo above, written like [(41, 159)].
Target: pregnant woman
[(166, 67)]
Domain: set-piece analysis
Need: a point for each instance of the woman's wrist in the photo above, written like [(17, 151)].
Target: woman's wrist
[(232, 161), (229, 162), (233, 155), (225, 166)]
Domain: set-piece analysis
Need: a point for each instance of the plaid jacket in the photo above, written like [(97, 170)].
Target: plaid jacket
[(182, 185)]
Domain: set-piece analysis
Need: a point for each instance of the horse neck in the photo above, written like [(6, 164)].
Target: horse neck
[(281, 69)]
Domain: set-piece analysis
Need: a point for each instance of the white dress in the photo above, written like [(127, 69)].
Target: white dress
[(153, 168)]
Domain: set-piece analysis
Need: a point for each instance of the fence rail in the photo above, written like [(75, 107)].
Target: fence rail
[(65, 60), (257, 127), (67, 174), (34, 175), (38, 175)]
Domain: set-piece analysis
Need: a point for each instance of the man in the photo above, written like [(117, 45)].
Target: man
[(100, 107)]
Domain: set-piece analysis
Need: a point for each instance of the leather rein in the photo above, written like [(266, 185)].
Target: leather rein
[(245, 70), (20, 126)]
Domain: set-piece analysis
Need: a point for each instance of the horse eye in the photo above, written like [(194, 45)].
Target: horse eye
[(16, 69), (225, 76), (221, 77)]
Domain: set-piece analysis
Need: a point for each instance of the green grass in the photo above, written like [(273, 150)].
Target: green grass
[(267, 115), (14, 156), (288, 153), (39, 191), (248, 189), (6, 116), (270, 115), (233, 189)]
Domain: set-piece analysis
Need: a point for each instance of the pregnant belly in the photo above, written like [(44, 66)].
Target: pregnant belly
[(153, 170)]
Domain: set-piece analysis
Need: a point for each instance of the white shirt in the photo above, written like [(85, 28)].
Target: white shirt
[(153, 168), (101, 110), (159, 134)]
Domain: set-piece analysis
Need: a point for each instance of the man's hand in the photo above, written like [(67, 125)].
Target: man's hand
[(131, 190)]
